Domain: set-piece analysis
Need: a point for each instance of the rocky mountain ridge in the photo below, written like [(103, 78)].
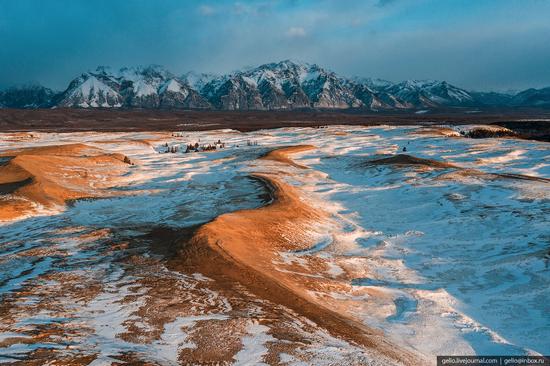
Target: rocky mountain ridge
[(284, 85)]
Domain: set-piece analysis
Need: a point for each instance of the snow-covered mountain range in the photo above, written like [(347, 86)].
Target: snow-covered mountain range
[(275, 86), (140, 87)]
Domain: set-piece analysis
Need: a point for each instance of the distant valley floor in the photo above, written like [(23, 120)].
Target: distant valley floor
[(530, 123)]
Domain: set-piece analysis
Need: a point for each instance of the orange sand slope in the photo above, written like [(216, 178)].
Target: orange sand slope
[(457, 173), (50, 175), (281, 155), (404, 159), (245, 246)]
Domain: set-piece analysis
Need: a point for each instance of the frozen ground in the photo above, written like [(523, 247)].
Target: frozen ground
[(462, 259)]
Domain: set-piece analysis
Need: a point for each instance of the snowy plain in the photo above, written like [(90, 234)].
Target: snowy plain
[(463, 259)]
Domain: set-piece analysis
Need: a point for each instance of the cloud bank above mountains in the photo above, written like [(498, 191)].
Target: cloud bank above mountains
[(489, 45)]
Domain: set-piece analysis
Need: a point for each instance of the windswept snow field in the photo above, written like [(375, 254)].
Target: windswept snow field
[(442, 249)]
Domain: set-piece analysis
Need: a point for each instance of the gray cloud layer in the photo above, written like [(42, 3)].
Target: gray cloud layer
[(475, 44)]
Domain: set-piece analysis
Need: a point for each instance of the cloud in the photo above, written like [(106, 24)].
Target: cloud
[(55, 42), (207, 10), (296, 32)]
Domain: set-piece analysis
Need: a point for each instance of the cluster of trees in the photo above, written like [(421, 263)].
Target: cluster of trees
[(196, 147), (191, 148), (209, 147), (171, 149), (482, 133)]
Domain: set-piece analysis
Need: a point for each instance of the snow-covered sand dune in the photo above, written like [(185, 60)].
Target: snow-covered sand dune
[(445, 251)]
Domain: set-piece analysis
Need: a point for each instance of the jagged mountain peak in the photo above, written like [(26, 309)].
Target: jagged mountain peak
[(373, 83), (416, 84), (102, 69), (286, 65), (283, 73), (429, 93), (286, 84), (150, 86), (131, 72), (198, 80), (280, 85), (148, 71)]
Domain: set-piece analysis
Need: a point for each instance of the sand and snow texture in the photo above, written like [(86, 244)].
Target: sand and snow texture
[(443, 249)]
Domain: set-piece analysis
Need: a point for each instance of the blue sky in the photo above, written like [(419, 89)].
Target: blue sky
[(476, 44)]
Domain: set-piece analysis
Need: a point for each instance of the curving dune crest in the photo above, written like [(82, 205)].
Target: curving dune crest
[(245, 246), (458, 172), (49, 176), (404, 159), (346, 264), (282, 155)]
